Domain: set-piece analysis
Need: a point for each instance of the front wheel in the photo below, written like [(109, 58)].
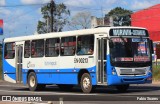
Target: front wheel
[(33, 84), (86, 84), (122, 88)]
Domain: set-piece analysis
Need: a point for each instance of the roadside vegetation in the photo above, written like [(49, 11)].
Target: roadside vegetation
[(0, 66), (156, 72)]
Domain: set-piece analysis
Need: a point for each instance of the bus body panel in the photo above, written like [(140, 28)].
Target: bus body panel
[(10, 77), (62, 76), (9, 70), (9, 66)]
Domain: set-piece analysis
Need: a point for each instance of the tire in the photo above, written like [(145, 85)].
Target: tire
[(86, 83), (65, 87), (33, 84), (122, 88)]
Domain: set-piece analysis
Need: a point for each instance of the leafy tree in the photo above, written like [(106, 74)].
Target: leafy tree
[(121, 16), (81, 20), (60, 18)]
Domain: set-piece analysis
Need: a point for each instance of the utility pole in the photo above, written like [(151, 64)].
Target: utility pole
[(52, 5), (47, 24), (102, 16)]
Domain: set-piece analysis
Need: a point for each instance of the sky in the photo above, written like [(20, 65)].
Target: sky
[(22, 20)]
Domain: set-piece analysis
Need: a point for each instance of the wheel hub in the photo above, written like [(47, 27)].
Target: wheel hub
[(86, 83), (32, 81)]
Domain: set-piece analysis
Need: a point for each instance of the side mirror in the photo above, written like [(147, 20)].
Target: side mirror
[(111, 44), (151, 46)]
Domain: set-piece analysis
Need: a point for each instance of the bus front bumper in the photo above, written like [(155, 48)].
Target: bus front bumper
[(118, 80)]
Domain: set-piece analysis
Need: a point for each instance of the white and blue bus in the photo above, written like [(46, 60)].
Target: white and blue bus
[(117, 56)]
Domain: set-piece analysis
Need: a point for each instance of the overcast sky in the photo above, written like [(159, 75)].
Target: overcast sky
[(22, 20)]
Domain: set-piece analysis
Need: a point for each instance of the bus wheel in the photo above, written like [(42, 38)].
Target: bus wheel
[(32, 83), (65, 87), (122, 88), (86, 84)]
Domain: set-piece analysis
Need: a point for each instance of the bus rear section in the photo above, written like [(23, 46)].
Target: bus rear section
[(12, 62)]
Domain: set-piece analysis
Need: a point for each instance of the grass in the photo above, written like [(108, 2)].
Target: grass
[(156, 72)]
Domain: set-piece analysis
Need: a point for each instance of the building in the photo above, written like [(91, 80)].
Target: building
[(95, 22), (149, 18)]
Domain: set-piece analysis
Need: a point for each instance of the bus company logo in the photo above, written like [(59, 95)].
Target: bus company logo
[(50, 63), (29, 64)]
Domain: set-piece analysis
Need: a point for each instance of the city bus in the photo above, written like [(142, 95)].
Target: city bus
[(113, 56)]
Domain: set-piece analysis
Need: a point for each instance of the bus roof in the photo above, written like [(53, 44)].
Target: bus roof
[(101, 30)]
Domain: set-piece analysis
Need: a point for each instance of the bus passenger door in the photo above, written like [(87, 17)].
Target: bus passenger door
[(19, 52), (101, 60)]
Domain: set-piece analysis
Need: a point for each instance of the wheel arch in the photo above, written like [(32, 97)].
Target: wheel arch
[(31, 70), (80, 73)]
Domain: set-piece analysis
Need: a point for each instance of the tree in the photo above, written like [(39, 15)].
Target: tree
[(81, 20), (121, 16), (59, 17)]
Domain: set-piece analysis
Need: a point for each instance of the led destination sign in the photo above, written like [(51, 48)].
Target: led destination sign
[(128, 32)]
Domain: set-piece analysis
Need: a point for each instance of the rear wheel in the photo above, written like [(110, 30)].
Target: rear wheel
[(65, 87), (122, 88), (86, 83), (33, 84)]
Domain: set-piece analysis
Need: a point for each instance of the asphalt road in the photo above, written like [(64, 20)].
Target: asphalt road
[(146, 93)]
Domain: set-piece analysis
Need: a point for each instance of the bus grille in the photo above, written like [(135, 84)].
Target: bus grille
[(132, 71)]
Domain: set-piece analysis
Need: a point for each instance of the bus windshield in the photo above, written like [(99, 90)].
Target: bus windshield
[(130, 50)]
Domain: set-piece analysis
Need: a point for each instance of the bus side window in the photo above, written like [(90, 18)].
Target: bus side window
[(85, 45), (68, 46), (27, 49), (9, 51), (37, 48), (33, 52), (52, 47), (6, 54)]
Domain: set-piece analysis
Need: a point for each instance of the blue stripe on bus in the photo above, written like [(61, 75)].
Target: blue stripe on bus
[(50, 76), (91, 69), (59, 76), (118, 80), (108, 67), (12, 75), (7, 68)]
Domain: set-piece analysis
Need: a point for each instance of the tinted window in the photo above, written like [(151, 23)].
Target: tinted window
[(52, 47), (37, 49), (85, 45), (9, 51), (68, 46), (27, 49)]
